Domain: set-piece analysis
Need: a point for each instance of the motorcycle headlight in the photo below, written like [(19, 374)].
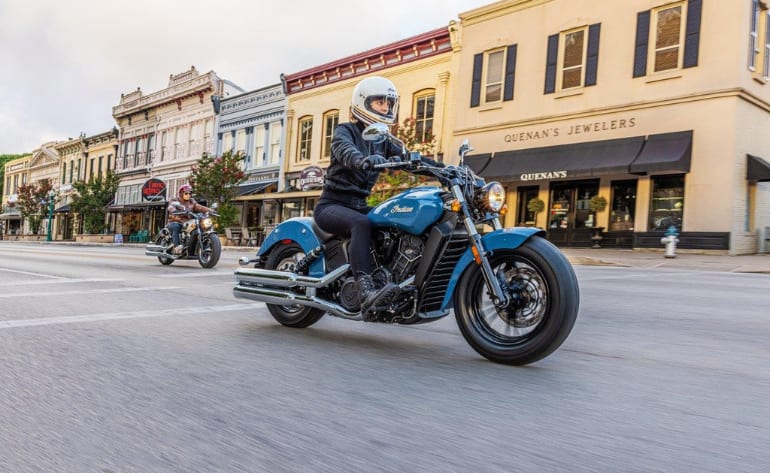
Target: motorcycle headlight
[(205, 223), (492, 196)]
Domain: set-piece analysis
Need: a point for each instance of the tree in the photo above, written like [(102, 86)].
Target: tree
[(92, 199), (392, 182), (216, 179), (33, 203), (535, 205)]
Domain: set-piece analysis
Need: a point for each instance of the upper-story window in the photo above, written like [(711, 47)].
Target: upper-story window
[(759, 40), (305, 138), (667, 37), (572, 58), (494, 72), (330, 123), (276, 128), (424, 105), (259, 144)]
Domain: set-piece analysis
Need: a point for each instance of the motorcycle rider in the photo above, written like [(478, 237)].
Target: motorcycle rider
[(183, 202), (342, 207)]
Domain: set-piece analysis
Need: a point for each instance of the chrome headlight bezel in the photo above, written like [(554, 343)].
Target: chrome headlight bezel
[(206, 223), (492, 196)]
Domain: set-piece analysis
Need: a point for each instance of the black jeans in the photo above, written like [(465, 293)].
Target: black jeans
[(348, 222)]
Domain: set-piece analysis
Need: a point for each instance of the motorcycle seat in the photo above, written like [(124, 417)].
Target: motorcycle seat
[(322, 235)]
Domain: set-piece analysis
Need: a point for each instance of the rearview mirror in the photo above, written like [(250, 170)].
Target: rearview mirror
[(376, 132)]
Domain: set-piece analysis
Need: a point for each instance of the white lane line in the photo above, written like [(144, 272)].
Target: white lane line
[(31, 273), (92, 291), (58, 281), (196, 275), (8, 324)]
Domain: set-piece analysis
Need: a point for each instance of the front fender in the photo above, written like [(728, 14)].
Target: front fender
[(300, 231), (507, 238)]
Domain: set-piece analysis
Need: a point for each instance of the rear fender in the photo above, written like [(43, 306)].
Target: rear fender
[(300, 231), (507, 238)]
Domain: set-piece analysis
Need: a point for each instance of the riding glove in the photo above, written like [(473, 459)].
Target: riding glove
[(369, 162)]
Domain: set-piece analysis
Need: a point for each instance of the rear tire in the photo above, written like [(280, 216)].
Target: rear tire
[(544, 316), (164, 239), (285, 258)]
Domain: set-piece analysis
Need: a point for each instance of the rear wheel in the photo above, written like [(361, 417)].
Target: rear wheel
[(164, 240), (545, 297), (285, 258), (210, 250)]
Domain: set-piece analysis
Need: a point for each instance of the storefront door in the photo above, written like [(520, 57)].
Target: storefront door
[(569, 216)]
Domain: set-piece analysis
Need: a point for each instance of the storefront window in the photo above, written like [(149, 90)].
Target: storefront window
[(623, 205), (269, 213), (292, 208), (524, 217), (667, 205)]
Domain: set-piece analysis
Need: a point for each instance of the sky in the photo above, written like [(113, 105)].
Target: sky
[(64, 63)]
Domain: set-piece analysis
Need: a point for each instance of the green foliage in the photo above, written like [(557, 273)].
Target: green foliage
[(392, 182), (216, 179), (92, 199), (33, 203), (597, 204), (535, 205)]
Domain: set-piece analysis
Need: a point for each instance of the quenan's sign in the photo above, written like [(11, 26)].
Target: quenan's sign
[(154, 190)]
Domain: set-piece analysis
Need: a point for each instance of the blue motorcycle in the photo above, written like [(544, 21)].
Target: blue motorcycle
[(514, 294)]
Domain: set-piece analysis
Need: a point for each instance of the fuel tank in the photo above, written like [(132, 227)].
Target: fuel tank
[(412, 211)]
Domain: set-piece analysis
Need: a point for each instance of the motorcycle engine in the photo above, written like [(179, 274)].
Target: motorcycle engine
[(406, 258), (189, 226), (349, 298)]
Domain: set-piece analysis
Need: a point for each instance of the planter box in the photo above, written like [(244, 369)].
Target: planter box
[(95, 238)]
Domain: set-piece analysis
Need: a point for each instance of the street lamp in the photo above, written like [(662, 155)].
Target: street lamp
[(51, 195)]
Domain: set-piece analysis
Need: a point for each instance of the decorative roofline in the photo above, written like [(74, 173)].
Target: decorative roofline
[(137, 101), (401, 52)]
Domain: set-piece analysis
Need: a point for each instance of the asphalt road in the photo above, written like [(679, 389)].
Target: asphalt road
[(112, 363)]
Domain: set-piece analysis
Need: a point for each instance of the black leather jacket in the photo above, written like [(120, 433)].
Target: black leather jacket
[(345, 182)]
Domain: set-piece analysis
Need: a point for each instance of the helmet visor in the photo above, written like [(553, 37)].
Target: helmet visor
[(382, 105)]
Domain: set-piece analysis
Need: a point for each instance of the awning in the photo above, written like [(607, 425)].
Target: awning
[(63, 209), (664, 153), (757, 169), (478, 162), (254, 187), (593, 158), (10, 216), (136, 206)]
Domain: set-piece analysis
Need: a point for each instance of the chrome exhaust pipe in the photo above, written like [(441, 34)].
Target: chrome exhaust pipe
[(272, 278), (286, 298)]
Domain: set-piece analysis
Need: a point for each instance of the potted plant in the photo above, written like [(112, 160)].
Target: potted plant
[(535, 205), (597, 204)]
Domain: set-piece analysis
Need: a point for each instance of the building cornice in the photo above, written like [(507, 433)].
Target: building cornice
[(136, 102), (401, 52)]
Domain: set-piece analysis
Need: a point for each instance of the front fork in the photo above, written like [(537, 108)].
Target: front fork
[(498, 295)]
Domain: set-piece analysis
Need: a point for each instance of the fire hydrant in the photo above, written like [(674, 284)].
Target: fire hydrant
[(670, 240)]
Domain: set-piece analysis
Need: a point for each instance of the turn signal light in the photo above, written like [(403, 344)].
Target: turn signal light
[(455, 205), (503, 210), (476, 255)]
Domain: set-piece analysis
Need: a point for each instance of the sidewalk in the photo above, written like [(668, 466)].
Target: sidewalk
[(758, 263)]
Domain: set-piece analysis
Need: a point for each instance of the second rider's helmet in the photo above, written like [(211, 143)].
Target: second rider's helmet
[(366, 91), (185, 188)]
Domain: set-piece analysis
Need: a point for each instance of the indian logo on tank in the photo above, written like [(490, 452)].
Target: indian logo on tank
[(397, 209)]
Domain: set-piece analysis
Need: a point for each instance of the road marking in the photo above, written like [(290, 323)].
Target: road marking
[(7, 324), (206, 273), (92, 291), (31, 273), (58, 281)]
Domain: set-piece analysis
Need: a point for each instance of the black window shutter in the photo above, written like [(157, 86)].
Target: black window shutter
[(550, 63), (510, 72), (478, 63), (692, 35), (592, 59), (642, 40)]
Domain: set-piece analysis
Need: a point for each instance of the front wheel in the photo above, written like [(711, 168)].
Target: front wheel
[(210, 250), (285, 258), (544, 295)]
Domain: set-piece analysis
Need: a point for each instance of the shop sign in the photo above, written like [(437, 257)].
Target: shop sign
[(312, 177), (154, 190), (539, 176)]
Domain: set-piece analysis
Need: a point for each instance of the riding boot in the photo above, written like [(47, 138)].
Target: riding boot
[(371, 297)]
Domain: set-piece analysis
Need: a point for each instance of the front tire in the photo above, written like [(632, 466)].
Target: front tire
[(210, 250), (285, 258), (534, 326)]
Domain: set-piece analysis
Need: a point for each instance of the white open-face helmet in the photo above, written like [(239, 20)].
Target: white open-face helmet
[(368, 90)]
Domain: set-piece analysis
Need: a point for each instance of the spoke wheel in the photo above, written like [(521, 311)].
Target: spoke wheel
[(164, 239), (210, 250)]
